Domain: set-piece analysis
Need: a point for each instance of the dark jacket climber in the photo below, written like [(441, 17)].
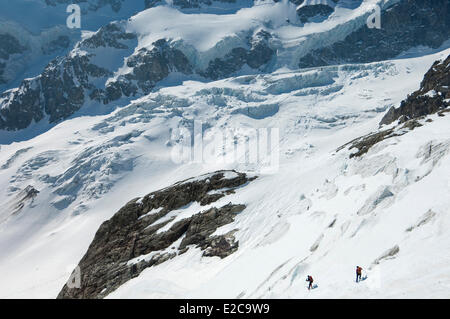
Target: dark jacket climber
[(358, 273), (310, 280)]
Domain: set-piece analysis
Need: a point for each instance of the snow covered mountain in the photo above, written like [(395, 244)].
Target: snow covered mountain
[(145, 52), (101, 166), (34, 32)]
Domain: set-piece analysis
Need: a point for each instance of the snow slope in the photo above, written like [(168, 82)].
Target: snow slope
[(328, 213)]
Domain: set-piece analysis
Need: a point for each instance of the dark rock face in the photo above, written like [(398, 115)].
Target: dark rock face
[(109, 36), (61, 88), (58, 92), (135, 231), (148, 68), (308, 11), (433, 95), (259, 54), (404, 25), (363, 144)]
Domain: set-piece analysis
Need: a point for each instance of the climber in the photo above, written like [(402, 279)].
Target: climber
[(310, 280), (358, 273)]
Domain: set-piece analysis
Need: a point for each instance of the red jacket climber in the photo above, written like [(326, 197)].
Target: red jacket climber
[(358, 273)]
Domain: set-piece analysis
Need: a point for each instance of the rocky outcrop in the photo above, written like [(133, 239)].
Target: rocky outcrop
[(363, 144), (58, 93), (148, 67), (110, 36), (308, 9), (64, 85), (257, 55), (433, 96), (404, 25), (142, 234)]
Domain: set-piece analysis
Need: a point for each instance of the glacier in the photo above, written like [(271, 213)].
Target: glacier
[(321, 212)]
